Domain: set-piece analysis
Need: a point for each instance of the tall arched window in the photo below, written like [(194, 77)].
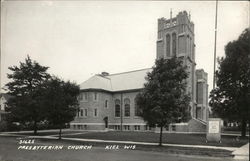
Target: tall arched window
[(137, 110), (106, 103), (168, 44), (127, 107), (117, 108), (174, 44), (190, 48)]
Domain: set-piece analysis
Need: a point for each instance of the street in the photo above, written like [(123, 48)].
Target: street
[(9, 151)]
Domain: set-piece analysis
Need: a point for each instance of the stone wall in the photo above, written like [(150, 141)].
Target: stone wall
[(195, 125)]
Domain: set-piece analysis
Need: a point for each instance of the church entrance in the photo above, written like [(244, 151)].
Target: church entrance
[(106, 121)]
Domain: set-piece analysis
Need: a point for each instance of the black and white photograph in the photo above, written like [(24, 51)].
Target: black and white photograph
[(124, 80)]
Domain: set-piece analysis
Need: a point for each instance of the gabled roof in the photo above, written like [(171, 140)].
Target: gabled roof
[(117, 82), (97, 82)]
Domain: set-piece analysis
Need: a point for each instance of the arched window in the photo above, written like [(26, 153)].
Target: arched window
[(117, 108), (137, 110), (106, 103), (127, 107), (95, 96), (168, 44), (174, 44), (190, 48)]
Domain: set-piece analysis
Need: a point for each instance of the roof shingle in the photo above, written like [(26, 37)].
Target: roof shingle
[(117, 82)]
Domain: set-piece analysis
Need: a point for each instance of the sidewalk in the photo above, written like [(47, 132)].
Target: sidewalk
[(55, 130), (31, 131), (242, 152)]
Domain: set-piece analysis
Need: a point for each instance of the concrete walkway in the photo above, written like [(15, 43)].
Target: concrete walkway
[(242, 152), (31, 131)]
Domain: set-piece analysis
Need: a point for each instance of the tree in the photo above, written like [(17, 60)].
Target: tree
[(60, 100), (25, 105), (231, 98), (163, 99)]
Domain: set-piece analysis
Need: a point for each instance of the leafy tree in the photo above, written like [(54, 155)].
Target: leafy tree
[(231, 98), (164, 99), (25, 105), (60, 100)]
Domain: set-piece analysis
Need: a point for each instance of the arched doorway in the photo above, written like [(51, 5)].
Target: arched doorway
[(106, 122)]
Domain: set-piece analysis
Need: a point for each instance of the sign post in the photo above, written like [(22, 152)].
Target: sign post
[(213, 130)]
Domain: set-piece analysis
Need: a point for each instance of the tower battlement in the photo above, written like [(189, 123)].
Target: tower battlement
[(181, 22)]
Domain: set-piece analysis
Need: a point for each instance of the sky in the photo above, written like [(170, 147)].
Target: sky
[(77, 39)]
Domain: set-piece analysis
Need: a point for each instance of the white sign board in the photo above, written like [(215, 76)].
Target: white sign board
[(214, 127), (214, 130)]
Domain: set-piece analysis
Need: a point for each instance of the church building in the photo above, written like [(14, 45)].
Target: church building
[(107, 101)]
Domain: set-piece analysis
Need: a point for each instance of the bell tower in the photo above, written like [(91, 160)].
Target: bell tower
[(176, 38)]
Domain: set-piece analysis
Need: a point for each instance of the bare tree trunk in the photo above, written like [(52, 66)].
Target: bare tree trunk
[(243, 127), (160, 142), (35, 127), (60, 133)]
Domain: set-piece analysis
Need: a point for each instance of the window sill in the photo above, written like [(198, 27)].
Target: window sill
[(83, 100), (82, 117)]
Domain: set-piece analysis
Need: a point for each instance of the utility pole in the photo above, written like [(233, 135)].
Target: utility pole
[(215, 39), (121, 113)]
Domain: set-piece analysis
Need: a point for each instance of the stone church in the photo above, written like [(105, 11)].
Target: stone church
[(107, 101)]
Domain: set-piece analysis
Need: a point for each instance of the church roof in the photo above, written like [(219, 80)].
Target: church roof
[(117, 82)]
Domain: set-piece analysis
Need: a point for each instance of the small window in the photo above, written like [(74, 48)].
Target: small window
[(137, 127), (106, 103), (126, 127), (147, 127), (95, 112), (80, 96), (85, 96), (81, 112), (85, 112), (117, 127), (173, 128), (95, 96)]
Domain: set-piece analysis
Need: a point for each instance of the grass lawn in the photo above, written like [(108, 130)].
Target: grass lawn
[(8, 145), (171, 138), (165, 149)]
